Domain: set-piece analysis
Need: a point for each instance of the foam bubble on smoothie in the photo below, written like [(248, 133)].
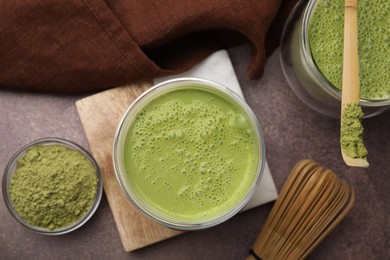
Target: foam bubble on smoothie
[(190, 151), (326, 35)]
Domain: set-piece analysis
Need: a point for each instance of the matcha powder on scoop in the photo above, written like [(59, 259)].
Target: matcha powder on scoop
[(53, 186), (352, 132)]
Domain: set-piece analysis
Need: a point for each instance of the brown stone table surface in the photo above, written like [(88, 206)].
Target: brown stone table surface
[(292, 132)]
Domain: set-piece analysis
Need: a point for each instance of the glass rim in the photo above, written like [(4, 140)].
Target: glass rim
[(9, 171), (155, 215)]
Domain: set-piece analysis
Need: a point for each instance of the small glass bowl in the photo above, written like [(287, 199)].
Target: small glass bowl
[(10, 169), (119, 142)]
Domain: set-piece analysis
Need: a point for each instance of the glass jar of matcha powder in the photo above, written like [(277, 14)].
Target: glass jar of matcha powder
[(312, 55)]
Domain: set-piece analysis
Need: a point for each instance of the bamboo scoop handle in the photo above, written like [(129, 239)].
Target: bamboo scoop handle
[(350, 91), (350, 88)]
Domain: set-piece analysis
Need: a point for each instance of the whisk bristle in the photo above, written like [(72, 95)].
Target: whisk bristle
[(310, 205)]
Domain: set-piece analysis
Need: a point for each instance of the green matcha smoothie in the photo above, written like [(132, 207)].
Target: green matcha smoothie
[(191, 154), (326, 43)]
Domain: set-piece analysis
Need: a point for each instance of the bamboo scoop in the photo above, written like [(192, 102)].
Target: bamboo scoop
[(310, 205), (350, 85)]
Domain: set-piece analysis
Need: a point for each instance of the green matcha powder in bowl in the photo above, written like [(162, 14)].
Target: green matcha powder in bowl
[(52, 186)]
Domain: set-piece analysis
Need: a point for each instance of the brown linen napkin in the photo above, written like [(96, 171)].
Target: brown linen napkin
[(80, 46)]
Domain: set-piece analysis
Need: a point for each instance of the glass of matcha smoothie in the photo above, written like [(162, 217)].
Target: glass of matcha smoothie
[(189, 153), (312, 54)]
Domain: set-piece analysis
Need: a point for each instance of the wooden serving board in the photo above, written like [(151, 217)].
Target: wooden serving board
[(100, 115)]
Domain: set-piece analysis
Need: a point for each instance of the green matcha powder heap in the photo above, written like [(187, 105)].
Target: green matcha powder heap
[(53, 186)]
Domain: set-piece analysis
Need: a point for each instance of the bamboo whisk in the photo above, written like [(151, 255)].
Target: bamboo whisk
[(310, 205)]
